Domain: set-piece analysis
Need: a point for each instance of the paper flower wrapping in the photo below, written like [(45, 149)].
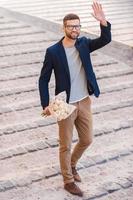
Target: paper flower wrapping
[(60, 109)]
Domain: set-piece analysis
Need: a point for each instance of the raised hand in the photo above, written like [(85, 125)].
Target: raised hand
[(98, 13)]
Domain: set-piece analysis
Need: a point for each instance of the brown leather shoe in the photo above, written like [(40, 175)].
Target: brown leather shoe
[(73, 189), (76, 175)]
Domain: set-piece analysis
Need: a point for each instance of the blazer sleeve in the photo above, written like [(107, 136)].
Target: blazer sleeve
[(104, 38), (44, 79)]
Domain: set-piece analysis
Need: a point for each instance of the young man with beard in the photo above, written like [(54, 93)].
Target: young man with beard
[(70, 60)]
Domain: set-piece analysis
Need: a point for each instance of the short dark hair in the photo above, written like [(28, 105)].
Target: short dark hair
[(70, 16)]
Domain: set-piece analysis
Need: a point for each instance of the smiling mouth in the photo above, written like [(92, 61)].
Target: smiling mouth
[(74, 32)]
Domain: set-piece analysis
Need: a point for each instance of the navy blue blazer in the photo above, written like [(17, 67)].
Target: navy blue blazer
[(55, 59)]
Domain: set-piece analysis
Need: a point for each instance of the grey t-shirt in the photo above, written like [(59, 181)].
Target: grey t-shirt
[(77, 75)]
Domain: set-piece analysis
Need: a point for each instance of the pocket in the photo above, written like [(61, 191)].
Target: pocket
[(88, 99)]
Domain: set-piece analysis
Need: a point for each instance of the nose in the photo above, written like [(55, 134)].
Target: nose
[(75, 28)]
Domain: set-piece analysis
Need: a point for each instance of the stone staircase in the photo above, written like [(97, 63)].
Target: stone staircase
[(119, 13), (29, 165)]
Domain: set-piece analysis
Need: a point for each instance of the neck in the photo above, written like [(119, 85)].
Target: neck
[(67, 42)]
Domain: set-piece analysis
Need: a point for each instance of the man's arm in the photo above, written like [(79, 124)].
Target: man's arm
[(44, 80), (105, 26)]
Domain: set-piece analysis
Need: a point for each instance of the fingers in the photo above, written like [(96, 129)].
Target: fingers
[(47, 111), (100, 6), (96, 6)]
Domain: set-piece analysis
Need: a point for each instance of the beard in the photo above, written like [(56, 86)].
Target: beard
[(72, 36)]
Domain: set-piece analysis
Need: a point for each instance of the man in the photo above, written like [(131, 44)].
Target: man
[(70, 60)]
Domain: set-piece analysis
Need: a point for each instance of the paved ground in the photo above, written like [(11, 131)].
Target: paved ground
[(119, 13), (29, 165)]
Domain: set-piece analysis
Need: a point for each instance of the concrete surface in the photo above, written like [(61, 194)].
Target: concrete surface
[(119, 13), (29, 165)]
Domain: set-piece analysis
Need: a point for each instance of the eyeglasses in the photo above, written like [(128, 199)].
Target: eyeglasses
[(71, 27)]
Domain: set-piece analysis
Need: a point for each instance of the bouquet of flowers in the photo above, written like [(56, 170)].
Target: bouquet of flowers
[(59, 108)]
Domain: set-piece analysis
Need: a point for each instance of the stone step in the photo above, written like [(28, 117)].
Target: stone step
[(16, 87), (38, 138), (118, 188), (14, 25), (107, 7), (84, 16), (115, 188), (67, 7), (29, 113), (111, 120), (103, 68), (6, 91), (83, 13), (130, 42), (29, 84), (30, 2), (109, 69), (18, 51), (127, 37), (27, 168), (25, 39), (18, 72), (119, 33), (21, 96), (116, 83), (7, 21), (20, 32), (115, 100), (114, 20), (22, 59), (68, 2), (119, 99), (25, 48), (40, 53), (113, 9), (121, 194), (95, 29)]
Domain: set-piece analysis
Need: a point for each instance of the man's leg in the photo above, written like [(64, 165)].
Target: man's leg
[(65, 140), (83, 125)]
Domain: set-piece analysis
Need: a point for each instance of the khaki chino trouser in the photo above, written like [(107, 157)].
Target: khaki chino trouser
[(82, 119)]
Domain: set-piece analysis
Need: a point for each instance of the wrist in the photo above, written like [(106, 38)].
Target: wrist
[(103, 22)]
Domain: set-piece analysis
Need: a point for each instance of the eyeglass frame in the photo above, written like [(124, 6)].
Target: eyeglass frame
[(71, 27)]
